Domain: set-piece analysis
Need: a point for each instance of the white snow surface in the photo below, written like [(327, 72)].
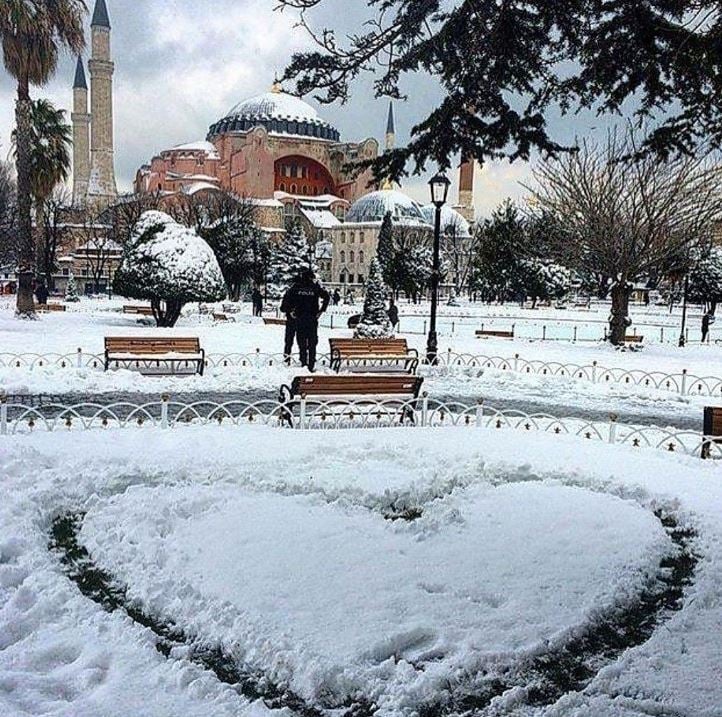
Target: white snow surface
[(274, 544)]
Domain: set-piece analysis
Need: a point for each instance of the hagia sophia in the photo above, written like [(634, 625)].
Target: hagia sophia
[(273, 150)]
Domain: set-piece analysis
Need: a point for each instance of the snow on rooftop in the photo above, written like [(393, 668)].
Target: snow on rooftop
[(202, 146), (320, 218)]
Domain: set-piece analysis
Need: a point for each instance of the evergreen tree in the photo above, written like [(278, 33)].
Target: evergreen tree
[(386, 250), (71, 290), (292, 256), (705, 279), (375, 322)]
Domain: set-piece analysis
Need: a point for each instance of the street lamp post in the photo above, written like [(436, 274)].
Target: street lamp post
[(439, 192), (682, 338)]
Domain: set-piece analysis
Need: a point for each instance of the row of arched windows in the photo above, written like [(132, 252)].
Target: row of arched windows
[(304, 190), (352, 257), (352, 237), (242, 124)]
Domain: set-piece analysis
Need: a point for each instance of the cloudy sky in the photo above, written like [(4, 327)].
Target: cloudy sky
[(182, 64)]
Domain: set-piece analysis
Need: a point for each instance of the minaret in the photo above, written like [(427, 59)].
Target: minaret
[(465, 206), (102, 187), (390, 141), (81, 136)]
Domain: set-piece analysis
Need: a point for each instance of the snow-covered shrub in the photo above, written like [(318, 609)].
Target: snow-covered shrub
[(169, 265), (71, 290), (375, 322), (292, 256)]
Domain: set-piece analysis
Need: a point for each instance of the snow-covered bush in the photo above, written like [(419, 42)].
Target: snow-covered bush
[(71, 290), (292, 256), (375, 322), (169, 265)]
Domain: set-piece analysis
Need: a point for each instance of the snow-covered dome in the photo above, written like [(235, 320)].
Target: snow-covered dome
[(279, 113), (373, 207), (449, 218)]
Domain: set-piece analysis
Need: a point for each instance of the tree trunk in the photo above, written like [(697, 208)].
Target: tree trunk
[(25, 307), (166, 317), (619, 319)]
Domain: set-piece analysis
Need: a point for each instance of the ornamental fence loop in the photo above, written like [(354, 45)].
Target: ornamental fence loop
[(80, 358)]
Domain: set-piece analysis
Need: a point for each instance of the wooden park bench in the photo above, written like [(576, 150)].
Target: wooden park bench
[(222, 317), (232, 308), (137, 310), (633, 339), (153, 355), (373, 355), (495, 333), (274, 321), (48, 308), (395, 391)]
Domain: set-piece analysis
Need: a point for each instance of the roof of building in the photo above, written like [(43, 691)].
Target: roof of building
[(202, 146), (373, 207), (80, 81), (279, 113), (196, 187), (451, 221), (320, 218), (100, 15)]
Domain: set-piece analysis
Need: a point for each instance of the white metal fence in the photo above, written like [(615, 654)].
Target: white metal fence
[(682, 382), (166, 413)]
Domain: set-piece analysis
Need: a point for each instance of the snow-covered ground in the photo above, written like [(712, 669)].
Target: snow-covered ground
[(275, 545), (85, 326)]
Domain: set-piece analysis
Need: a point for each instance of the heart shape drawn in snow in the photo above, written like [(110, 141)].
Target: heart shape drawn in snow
[(334, 600)]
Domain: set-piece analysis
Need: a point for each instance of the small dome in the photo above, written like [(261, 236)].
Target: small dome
[(279, 113), (373, 207), (449, 218)]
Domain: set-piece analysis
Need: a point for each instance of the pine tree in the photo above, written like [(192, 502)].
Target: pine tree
[(292, 256), (375, 322), (71, 290), (385, 249)]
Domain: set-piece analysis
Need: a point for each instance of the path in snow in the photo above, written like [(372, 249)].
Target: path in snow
[(661, 414)]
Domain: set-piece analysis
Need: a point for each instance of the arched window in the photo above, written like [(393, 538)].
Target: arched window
[(352, 238), (343, 257), (294, 188), (361, 237), (361, 257), (352, 257), (282, 186), (343, 237)]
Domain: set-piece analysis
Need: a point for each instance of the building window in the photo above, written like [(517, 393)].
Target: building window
[(343, 257), (343, 237), (352, 257), (294, 189), (352, 238), (282, 186), (66, 272), (361, 257), (361, 237), (361, 278)]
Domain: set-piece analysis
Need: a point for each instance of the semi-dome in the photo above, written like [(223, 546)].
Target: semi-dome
[(279, 113), (373, 207), (451, 220)]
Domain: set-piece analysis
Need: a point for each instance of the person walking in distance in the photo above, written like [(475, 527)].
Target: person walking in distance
[(257, 300), (707, 319), (306, 300)]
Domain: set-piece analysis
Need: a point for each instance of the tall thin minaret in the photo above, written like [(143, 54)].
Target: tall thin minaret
[(390, 141), (465, 206), (81, 136), (102, 187)]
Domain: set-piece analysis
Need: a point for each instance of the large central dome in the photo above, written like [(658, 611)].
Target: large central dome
[(280, 113)]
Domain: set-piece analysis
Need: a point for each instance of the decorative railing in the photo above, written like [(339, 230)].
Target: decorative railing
[(682, 383), (339, 414)]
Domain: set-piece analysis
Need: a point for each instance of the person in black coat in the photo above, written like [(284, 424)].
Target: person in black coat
[(257, 299), (393, 314), (304, 303), (41, 294)]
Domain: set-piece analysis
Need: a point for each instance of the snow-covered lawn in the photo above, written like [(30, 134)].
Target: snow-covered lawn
[(277, 546)]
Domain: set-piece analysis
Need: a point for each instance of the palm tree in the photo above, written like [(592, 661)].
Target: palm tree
[(32, 32), (50, 141)]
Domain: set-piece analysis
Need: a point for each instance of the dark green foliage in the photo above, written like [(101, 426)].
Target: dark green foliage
[(505, 67)]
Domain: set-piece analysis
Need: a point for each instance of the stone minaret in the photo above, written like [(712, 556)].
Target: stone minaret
[(465, 206), (102, 188), (390, 141), (81, 136)]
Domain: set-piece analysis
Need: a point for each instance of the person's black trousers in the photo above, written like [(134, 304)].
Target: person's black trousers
[(307, 342), (289, 339)]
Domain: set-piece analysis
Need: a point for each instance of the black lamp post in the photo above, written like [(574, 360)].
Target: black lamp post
[(439, 192), (683, 330)]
